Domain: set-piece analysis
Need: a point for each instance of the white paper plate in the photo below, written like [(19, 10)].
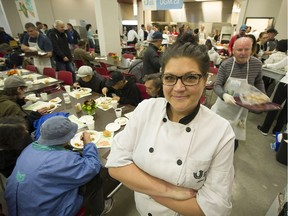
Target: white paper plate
[(56, 100), (32, 98), (76, 142), (121, 121), (83, 91), (85, 118), (112, 127)]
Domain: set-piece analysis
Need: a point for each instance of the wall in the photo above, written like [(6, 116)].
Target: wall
[(74, 9), (45, 12), (13, 18), (278, 10)]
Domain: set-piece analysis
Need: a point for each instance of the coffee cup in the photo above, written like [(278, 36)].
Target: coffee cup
[(67, 88), (91, 124), (118, 112), (44, 96)]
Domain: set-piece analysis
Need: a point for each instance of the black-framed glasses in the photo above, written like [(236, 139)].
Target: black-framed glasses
[(188, 79)]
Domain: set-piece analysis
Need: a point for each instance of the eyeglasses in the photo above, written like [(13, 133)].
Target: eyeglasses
[(188, 79)]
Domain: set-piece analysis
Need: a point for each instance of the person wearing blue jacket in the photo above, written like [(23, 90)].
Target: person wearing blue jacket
[(51, 180)]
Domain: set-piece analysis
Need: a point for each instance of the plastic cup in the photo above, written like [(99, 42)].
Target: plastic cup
[(66, 98), (44, 96), (118, 112), (67, 88), (90, 124), (114, 104)]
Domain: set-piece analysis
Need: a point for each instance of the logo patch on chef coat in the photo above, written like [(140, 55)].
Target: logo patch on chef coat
[(200, 175)]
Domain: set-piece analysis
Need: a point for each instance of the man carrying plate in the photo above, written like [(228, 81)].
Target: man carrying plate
[(35, 41)]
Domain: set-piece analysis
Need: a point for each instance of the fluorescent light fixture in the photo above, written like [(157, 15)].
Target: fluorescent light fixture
[(135, 8), (129, 22)]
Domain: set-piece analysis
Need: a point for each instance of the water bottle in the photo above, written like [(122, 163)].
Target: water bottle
[(278, 138)]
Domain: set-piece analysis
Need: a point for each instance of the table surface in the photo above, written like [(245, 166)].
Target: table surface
[(274, 74), (35, 88), (121, 64), (101, 117)]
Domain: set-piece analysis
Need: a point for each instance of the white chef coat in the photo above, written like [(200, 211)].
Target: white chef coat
[(198, 155)]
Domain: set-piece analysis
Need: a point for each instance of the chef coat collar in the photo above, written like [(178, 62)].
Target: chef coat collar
[(187, 119)]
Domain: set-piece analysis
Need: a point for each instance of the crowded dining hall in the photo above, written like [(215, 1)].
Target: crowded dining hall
[(164, 108)]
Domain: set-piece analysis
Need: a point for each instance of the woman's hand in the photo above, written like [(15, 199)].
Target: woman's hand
[(116, 98)]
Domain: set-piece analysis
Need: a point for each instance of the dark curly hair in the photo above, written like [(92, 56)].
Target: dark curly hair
[(189, 50)]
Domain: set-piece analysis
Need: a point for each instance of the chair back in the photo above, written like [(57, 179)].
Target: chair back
[(128, 56), (103, 65), (49, 72), (142, 89), (211, 64), (213, 70), (31, 68), (78, 63), (106, 77), (203, 99), (66, 77), (102, 71)]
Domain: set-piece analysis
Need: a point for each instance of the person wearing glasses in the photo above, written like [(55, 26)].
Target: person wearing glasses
[(167, 153), (235, 72)]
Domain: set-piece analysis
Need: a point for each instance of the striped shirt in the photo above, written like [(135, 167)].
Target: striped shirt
[(239, 71)]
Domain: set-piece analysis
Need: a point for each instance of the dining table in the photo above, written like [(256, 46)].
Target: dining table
[(120, 63), (273, 73), (101, 119), (36, 82)]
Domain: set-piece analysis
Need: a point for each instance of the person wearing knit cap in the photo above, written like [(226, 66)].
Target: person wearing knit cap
[(51, 180), (12, 98), (89, 79)]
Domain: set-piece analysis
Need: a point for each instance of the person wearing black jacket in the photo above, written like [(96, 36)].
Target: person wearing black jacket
[(61, 52), (12, 58), (126, 91), (73, 36)]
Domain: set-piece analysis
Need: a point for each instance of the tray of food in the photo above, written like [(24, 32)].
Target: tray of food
[(267, 106)]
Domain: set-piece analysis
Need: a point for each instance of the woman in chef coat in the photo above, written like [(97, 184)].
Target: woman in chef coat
[(178, 156)]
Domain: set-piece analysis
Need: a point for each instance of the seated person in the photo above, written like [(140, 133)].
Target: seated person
[(11, 56), (51, 180), (12, 99), (80, 53), (213, 55), (89, 79), (15, 140), (153, 85), (126, 90)]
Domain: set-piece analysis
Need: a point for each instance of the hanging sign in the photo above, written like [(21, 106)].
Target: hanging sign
[(162, 4)]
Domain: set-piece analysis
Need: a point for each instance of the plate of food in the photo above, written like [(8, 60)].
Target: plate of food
[(77, 143), (104, 102), (32, 97), (112, 127), (56, 100), (105, 140), (121, 121), (51, 107), (84, 91)]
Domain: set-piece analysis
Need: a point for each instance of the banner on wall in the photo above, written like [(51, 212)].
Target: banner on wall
[(27, 11), (162, 4)]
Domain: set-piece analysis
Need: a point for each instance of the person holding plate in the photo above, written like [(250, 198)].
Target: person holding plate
[(164, 153), (36, 41), (241, 69), (51, 180)]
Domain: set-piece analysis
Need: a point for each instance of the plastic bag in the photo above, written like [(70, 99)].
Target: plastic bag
[(251, 95)]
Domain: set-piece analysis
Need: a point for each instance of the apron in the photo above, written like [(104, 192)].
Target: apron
[(40, 63), (236, 115)]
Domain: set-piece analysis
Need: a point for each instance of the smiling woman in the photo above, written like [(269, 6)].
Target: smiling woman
[(180, 168)]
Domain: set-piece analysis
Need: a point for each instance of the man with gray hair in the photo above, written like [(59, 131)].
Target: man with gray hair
[(36, 41), (61, 52)]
